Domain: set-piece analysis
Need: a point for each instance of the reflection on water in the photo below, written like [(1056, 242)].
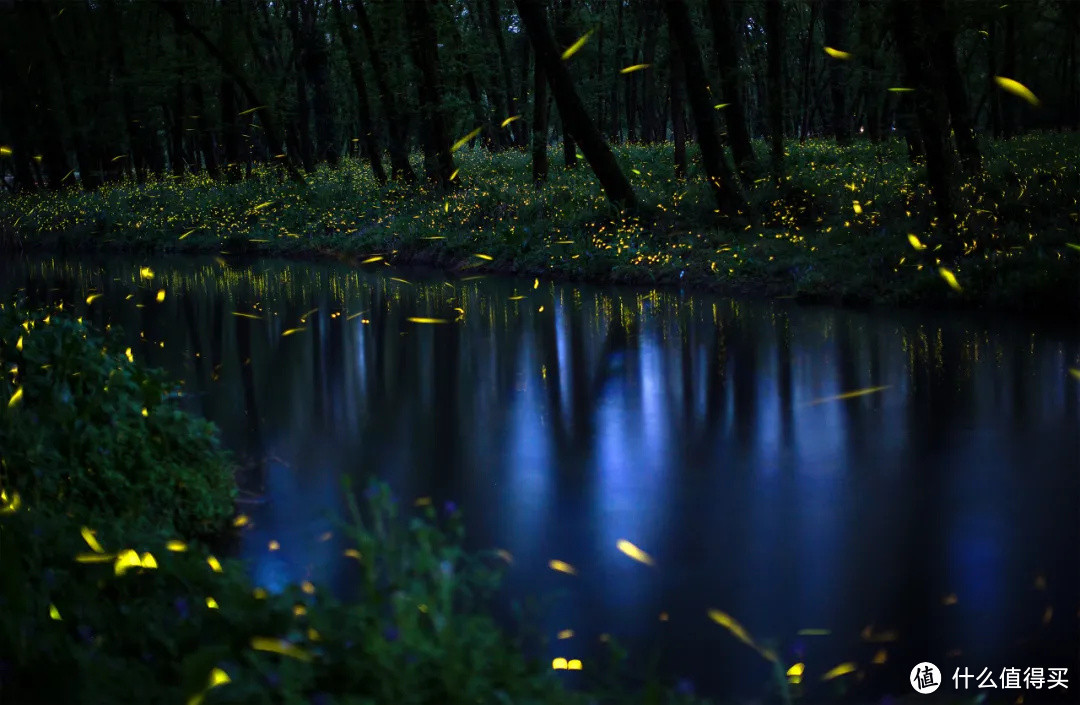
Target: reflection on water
[(936, 519)]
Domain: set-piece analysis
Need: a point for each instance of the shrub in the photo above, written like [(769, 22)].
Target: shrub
[(416, 632), (87, 431)]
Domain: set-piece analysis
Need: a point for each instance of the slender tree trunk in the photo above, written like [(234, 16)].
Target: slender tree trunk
[(836, 15), (494, 14), (808, 56), (566, 37), (302, 121), (423, 41), (1008, 69), (631, 94), (575, 118), (620, 62), (315, 59), (930, 109), (369, 146), (991, 87), (207, 144), (540, 124), (650, 107), (678, 102), (774, 31), (943, 52), (871, 36), (1071, 11), (136, 141), (727, 58), (600, 103), (472, 87), (176, 136), (729, 197), (399, 152)]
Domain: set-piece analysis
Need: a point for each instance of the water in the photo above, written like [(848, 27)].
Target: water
[(935, 519)]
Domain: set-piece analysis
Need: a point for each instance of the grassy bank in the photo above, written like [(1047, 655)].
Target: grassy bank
[(836, 230), (110, 593)]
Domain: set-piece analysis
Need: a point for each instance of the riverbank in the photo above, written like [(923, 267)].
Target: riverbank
[(847, 226)]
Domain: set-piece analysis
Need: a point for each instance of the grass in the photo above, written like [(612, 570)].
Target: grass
[(836, 229)]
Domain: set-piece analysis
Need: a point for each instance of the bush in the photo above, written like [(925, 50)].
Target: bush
[(91, 433), (416, 632)]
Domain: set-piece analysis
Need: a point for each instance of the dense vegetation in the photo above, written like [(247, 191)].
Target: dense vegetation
[(827, 138)]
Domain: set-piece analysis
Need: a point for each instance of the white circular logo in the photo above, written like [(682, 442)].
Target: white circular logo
[(925, 678)]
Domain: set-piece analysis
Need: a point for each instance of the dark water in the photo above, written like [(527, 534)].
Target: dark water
[(936, 519)]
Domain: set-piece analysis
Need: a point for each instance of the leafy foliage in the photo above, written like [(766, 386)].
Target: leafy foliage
[(100, 437)]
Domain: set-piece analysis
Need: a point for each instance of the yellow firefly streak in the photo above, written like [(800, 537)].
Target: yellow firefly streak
[(915, 242), (465, 140), (576, 46), (279, 646), (848, 395), (562, 567), (949, 278), (634, 552), (841, 670), (1016, 88)]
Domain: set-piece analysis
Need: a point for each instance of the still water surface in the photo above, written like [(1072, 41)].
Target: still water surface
[(935, 519)]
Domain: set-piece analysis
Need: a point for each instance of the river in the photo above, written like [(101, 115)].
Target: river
[(933, 516)]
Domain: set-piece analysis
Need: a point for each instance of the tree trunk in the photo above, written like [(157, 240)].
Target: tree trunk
[(991, 87), (930, 110), (808, 56), (731, 89), (650, 107), (943, 52), (438, 161), (399, 152), (540, 124), (678, 102), (631, 94), (302, 120), (574, 116), (836, 15), (774, 32), (176, 135), (1008, 69), (620, 62), (315, 59), (494, 22), (566, 38), (369, 146), (729, 197), (207, 144), (490, 124)]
